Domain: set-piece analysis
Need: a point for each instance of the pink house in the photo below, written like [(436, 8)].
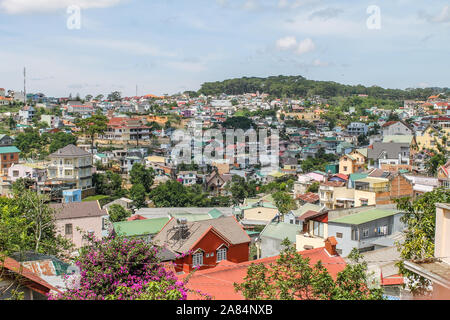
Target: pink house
[(317, 176), (87, 216)]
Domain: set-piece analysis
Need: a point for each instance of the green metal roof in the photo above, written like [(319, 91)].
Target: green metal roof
[(140, 227), (398, 139), (365, 216), (358, 176), (11, 149), (306, 207), (281, 231), (214, 213)]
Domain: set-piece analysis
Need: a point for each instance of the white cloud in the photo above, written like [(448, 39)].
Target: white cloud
[(290, 43), (32, 6), (305, 46), (286, 43), (443, 16)]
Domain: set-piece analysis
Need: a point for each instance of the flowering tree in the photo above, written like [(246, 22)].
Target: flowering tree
[(118, 268)]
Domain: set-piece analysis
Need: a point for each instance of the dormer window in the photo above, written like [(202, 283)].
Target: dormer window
[(197, 258), (222, 253)]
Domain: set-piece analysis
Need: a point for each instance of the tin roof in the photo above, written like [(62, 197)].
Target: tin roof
[(365, 216)]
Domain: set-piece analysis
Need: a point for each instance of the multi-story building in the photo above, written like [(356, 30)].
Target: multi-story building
[(71, 165), (357, 128), (396, 128), (126, 129), (8, 157)]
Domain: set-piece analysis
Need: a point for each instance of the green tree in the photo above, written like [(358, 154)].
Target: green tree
[(292, 277), (284, 202), (60, 140), (420, 220), (118, 213), (138, 195), (314, 187), (114, 96), (141, 175), (108, 183), (96, 124)]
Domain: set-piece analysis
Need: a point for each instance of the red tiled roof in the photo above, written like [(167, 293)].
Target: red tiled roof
[(308, 214), (342, 176), (136, 217), (219, 281), (308, 197)]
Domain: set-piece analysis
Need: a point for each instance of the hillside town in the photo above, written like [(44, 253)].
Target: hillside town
[(346, 178)]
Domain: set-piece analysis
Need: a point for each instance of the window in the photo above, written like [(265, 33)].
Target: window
[(345, 168), (318, 229), (365, 233), (338, 235), (15, 173), (11, 156), (355, 234), (221, 254), (197, 259), (68, 228), (292, 221)]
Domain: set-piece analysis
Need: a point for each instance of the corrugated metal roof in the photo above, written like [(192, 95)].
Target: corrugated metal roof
[(281, 231), (365, 216), (10, 149)]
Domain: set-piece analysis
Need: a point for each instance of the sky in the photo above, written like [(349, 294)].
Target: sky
[(170, 46)]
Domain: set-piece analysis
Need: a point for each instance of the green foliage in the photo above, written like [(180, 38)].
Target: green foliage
[(241, 189), (141, 175), (295, 86), (292, 277), (60, 140), (108, 183), (243, 123), (284, 202), (27, 223), (174, 194), (118, 213), (420, 220), (96, 124), (138, 195), (314, 187)]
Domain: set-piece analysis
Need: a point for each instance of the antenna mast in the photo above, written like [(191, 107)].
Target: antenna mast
[(24, 85)]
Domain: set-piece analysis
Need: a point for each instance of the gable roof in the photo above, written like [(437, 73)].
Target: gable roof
[(225, 227), (219, 281), (74, 210)]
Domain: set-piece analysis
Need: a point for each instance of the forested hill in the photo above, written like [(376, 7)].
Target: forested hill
[(298, 86)]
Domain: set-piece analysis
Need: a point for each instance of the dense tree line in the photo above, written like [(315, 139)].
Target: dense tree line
[(295, 86)]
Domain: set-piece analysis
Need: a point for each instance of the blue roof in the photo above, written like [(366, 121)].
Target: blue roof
[(9, 150)]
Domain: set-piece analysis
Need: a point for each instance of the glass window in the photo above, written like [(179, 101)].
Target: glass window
[(68, 228), (318, 229), (197, 259), (221, 254)]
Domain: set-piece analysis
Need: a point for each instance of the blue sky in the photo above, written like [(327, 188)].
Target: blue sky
[(169, 46)]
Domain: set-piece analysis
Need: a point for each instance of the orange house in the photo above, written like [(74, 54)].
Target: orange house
[(203, 244)]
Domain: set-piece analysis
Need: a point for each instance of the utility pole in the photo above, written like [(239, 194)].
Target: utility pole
[(24, 86)]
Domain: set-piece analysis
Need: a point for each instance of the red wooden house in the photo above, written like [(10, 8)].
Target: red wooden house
[(203, 244)]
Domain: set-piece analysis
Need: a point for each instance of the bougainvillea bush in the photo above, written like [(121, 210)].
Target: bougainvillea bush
[(118, 268)]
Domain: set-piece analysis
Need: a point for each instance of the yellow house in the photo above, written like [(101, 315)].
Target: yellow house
[(368, 190), (352, 162), (430, 136)]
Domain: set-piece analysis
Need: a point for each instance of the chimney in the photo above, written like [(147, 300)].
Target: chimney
[(330, 246)]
